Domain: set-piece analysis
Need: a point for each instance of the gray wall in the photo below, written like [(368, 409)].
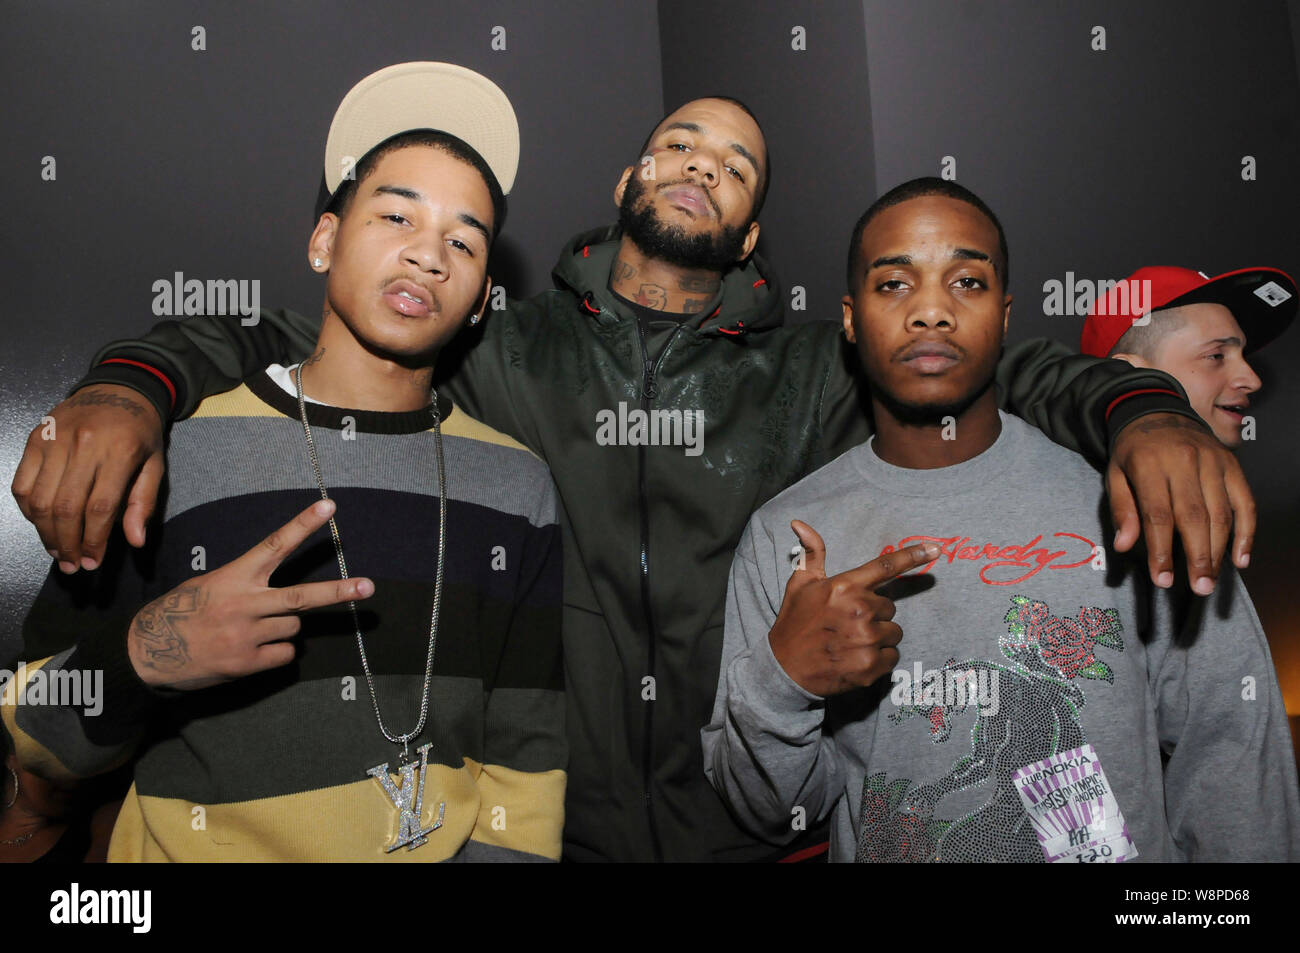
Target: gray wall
[(207, 162)]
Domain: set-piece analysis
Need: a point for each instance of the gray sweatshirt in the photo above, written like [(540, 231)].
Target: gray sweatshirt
[(1049, 703)]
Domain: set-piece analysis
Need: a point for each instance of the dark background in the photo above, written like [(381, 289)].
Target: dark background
[(1097, 162)]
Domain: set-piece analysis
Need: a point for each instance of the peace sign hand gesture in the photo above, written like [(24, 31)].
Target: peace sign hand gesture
[(229, 623)]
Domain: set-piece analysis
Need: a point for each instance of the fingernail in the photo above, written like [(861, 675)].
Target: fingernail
[(932, 549), (54, 553), (67, 567), (1164, 580), (88, 563), (324, 508), (365, 587), (1244, 561), (1203, 586)]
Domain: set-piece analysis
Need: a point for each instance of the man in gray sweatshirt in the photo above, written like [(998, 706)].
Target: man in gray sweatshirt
[(1046, 702)]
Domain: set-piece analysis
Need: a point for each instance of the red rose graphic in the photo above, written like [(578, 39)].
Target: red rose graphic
[(915, 845), (1094, 622), (1032, 615), (937, 720), (876, 811), (1066, 646)]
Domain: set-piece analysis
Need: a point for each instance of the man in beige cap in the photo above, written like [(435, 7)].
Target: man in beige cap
[(426, 723)]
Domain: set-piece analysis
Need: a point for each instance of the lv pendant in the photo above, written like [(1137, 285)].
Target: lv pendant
[(409, 801)]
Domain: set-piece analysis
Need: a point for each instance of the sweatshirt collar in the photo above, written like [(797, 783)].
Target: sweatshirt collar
[(978, 474), (332, 418)]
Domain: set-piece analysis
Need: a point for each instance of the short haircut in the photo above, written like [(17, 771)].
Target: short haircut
[(442, 141), (1143, 339), (765, 179), (915, 189)]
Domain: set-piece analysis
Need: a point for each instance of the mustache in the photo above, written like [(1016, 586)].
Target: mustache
[(708, 197), (930, 346)]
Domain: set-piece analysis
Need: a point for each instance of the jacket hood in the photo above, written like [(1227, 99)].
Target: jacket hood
[(750, 299)]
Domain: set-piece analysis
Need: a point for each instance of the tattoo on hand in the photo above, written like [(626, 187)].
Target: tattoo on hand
[(156, 628), (97, 398)]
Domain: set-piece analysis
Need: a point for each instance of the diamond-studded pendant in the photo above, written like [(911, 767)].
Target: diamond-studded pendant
[(409, 801)]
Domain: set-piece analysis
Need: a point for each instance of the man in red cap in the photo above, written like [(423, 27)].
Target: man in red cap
[(1197, 328)]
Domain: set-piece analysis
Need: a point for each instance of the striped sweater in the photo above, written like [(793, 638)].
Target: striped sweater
[(274, 766)]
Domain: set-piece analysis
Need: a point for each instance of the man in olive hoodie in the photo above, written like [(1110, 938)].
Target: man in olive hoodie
[(659, 383)]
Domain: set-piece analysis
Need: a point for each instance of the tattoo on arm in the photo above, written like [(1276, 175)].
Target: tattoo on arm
[(1164, 421), (157, 628), (96, 398)]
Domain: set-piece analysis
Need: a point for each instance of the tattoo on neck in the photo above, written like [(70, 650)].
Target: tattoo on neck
[(315, 357), (704, 286), (623, 271), (653, 296), (96, 398)]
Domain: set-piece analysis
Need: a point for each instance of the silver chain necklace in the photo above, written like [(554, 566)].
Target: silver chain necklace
[(409, 798), (19, 840), (403, 739)]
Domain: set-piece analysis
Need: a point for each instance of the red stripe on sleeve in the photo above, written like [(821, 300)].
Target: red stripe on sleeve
[(1135, 393), (808, 852), (171, 388)]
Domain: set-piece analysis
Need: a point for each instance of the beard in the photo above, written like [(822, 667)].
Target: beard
[(672, 243)]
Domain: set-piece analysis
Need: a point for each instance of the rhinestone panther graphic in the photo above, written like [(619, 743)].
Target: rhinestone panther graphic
[(1037, 716)]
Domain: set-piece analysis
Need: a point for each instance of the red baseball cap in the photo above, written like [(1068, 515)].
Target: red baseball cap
[(1263, 300)]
